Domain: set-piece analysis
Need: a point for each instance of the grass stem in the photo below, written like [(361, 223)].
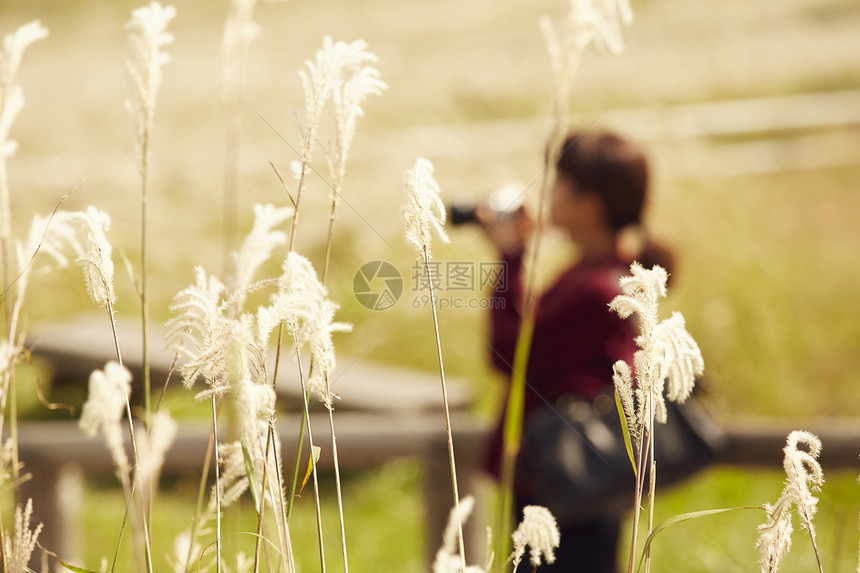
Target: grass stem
[(217, 487), (426, 256), (337, 482), (313, 461)]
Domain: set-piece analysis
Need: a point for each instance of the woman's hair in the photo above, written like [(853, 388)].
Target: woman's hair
[(614, 169)]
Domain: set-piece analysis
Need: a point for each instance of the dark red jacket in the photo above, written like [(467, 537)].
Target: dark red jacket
[(576, 339)]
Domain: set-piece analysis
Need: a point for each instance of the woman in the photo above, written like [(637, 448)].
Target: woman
[(597, 199)]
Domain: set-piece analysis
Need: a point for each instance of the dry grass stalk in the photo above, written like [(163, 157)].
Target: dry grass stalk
[(147, 36), (803, 475), (424, 215), (588, 22), (11, 102), (239, 31), (668, 361)]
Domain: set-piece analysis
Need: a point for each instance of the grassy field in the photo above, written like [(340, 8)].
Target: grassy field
[(767, 257)]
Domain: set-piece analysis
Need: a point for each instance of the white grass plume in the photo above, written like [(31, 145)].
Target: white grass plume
[(104, 409), (147, 36), (622, 377), (347, 99), (11, 94), (588, 22), (20, 547), (8, 459), (447, 558), (96, 261), (153, 446), (49, 238), (11, 103), (201, 333), (595, 22), (667, 353), (668, 357), (322, 76), (803, 473), (186, 552), (257, 247), (323, 351), (302, 303), (539, 531), (424, 212), (239, 31), (254, 402)]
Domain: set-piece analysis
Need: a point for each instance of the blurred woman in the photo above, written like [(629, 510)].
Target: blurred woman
[(600, 188)]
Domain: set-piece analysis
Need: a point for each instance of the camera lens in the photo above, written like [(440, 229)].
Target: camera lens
[(462, 212)]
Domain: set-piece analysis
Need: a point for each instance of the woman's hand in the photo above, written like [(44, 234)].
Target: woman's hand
[(510, 232)]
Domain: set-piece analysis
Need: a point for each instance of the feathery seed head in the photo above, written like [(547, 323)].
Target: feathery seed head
[(774, 541), (642, 291), (539, 531), (599, 22), (103, 411), (298, 296), (96, 262), (11, 94), (680, 358), (20, 547), (447, 558), (259, 243), (253, 401), (667, 351), (108, 392), (588, 22), (239, 31), (322, 77), (201, 332), (153, 446), (302, 303), (147, 36), (424, 211), (50, 236), (185, 553), (622, 378), (8, 459), (14, 46), (348, 98), (802, 472), (234, 476)]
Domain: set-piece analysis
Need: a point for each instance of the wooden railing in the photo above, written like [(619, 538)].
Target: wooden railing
[(387, 413)]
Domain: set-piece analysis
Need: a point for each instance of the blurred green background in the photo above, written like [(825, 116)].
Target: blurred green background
[(748, 109)]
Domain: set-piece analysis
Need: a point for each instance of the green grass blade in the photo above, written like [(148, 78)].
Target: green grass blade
[(73, 568), (312, 459), (682, 518), (625, 431)]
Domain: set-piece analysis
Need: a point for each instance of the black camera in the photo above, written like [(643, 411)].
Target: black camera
[(504, 202)]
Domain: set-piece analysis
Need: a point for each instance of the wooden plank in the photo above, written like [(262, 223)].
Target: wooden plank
[(760, 442), (53, 451), (364, 440), (76, 347)]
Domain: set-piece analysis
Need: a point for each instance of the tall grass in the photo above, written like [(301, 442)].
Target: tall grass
[(587, 23), (215, 310)]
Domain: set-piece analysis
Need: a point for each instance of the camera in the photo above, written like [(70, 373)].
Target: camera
[(504, 202)]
